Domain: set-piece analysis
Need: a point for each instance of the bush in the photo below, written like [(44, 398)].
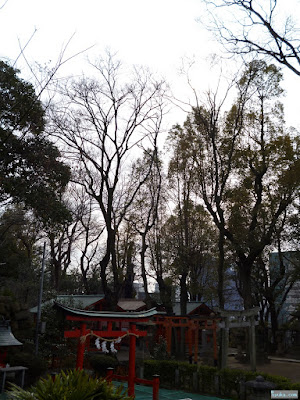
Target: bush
[(229, 379), (281, 381), (295, 386), (165, 370), (207, 379), (73, 385), (36, 365), (100, 363), (186, 371), (160, 351)]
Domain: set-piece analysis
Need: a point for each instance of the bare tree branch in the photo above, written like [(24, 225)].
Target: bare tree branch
[(256, 30)]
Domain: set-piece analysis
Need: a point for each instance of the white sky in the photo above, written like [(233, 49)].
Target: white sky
[(157, 33)]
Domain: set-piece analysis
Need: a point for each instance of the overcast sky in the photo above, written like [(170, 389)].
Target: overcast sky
[(157, 33)]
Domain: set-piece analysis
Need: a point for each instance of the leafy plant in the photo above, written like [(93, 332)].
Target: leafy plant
[(71, 385), (160, 351), (36, 365), (100, 363)]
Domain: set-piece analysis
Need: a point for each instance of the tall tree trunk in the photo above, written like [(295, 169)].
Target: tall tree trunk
[(221, 270), (165, 294), (245, 284), (143, 270), (128, 290), (274, 325), (183, 294)]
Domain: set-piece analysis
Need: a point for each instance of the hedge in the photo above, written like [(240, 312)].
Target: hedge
[(208, 380)]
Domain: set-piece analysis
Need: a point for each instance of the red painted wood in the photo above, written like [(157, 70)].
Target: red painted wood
[(108, 319), (120, 377), (141, 381), (72, 334), (131, 372), (104, 334), (109, 374), (155, 387), (80, 348)]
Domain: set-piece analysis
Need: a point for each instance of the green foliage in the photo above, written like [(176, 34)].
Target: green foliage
[(295, 386), (186, 372), (30, 166), (20, 108), (207, 377), (37, 366), (230, 379), (52, 342), (281, 381), (72, 385), (100, 363), (189, 238), (265, 78), (165, 369), (19, 233), (160, 351), (246, 167)]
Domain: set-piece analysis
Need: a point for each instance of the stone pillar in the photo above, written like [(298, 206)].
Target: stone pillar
[(225, 341), (252, 343)]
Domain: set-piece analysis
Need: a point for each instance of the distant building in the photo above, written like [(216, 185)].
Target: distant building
[(233, 300), (291, 261)]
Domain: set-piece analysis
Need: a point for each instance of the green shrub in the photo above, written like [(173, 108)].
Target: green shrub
[(36, 365), (160, 351), (165, 369), (186, 371), (207, 379), (295, 386), (229, 379), (100, 363), (73, 385), (281, 381)]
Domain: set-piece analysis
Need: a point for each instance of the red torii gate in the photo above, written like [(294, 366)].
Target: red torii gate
[(194, 325), (84, 316)]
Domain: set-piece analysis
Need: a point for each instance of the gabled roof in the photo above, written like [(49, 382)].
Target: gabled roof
[(82, 301), (131, 304), (193, 308)]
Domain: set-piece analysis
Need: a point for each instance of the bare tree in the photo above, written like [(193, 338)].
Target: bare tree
[(62, 240), (256, 27), (159, 262), (144, 211), (103, 122), (89, 243)]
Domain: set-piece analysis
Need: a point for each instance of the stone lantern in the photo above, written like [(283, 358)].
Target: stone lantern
[(259, 389), (7, 340)]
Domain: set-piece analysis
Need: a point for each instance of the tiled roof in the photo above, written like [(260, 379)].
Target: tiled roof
[(82, 301), (135, 315)]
